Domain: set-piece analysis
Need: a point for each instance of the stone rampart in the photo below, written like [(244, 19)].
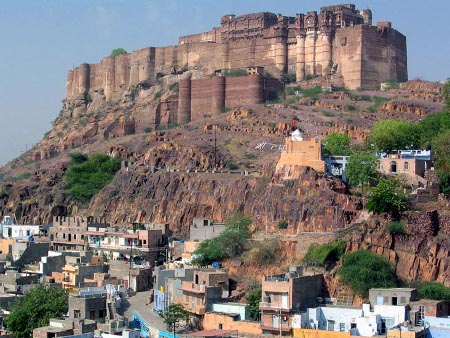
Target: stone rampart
[(337, 40)]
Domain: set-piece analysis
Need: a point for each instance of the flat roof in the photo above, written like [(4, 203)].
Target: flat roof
[(211, 333), (393, 289)]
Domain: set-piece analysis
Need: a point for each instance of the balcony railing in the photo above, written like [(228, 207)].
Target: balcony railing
[(267, 305), (192, 287), (117, 247)]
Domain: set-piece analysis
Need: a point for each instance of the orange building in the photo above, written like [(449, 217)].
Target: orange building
[(302, 152)]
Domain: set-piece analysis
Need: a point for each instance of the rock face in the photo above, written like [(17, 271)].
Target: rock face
[(422, 254)]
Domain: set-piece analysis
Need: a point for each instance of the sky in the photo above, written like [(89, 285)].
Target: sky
[(42, 39)]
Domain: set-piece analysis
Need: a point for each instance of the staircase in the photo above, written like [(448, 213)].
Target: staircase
[(111, 309)]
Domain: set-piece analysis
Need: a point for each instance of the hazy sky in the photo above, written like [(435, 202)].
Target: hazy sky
[(42, 39)]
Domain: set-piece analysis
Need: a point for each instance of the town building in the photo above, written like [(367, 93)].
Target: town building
[(392, 296), (302, 152), (204, 228), (408, 162), (286, 294)]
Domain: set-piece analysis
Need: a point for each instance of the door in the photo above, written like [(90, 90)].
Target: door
[(275, 320), (284, 301)]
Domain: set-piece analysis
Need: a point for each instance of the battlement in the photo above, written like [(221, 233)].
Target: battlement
[(338, 40)]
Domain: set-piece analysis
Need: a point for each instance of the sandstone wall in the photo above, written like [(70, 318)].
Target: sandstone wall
[(342, 42)]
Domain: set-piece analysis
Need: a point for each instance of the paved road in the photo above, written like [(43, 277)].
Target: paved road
[(138, 303)]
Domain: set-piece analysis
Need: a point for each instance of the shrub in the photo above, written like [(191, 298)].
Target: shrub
[(253, 298), (85, 178), (362, 270), (265, 253), (327, 113), (250, 156), (313, 92), (148, 130), (117, 51), (396, 228), (231, 165), (436, 291), (378, 101), (386, 197), (325, 253), (234, 72), (282, 224), (350, 107)]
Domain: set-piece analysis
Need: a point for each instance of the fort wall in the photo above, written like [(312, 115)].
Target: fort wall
[(213, 95), (337, 39)]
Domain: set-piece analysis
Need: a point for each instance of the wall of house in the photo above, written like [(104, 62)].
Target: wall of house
[(212, 321), (403, 296), (302, 153), (230, 308), (87, 304), (308, 333)]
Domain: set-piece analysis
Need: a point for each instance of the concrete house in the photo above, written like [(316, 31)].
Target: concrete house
[(286, 294)]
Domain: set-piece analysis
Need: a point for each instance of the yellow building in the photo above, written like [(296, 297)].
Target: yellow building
[(302, 153)]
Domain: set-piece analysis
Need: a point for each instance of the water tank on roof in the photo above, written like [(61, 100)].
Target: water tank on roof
[(31, 239), (181, 240), (216, 265)]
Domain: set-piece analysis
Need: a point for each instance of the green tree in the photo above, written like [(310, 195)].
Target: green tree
[(387, 197), (253, 298), (436, 291), (174, 314), (396, 228), (84, 178), (441, 146), (229, 244), (432, 125), (362, 270), (337, 145), (389, 135), (35, 309), (117, 51), (446, 91), (361, 168)]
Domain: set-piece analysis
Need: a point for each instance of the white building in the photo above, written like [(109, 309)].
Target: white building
[(360, 322), (16, 231)]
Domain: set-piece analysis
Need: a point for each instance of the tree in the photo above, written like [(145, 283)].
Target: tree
[(432, 125), (174, 314), (336, 145), (362, 270), (436, 291), (229, 244), (117, 51), (387, 197), (441, 147), (389, 135), (446, 91), (361, 168), (35, 309), (253, 298)]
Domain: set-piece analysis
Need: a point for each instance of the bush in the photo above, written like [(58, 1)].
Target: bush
[(396, 228), (253, 298), (325, 253), (250, 156), (363, 270), (378, 101), (313, 92), (234, 72), (282, 224), (148, 130), (265, 253), (230, 243), (431, 290), (350, 107), (85, 178), (231, 165), (117, 51), (386, 197)]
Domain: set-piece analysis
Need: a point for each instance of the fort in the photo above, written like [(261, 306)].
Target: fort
[(338, 42)]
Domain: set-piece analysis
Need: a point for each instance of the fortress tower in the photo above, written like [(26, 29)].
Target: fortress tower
[(339, 40)]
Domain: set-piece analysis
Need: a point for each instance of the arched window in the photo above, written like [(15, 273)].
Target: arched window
[(406, 166), (393, 167)]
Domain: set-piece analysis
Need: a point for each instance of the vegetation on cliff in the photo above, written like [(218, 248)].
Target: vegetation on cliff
[(362, 270), (325, 253), (86, 175), (387, 197), (436, 291), (35, 309), (117, 51), (230, 243)]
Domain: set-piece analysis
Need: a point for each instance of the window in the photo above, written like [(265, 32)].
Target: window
[(342, 327), (402, 300), (275, 296), (76, 314), (406, 166), (101, 313), (331, 325), (220, 326), (92, 314), (74, 236)]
